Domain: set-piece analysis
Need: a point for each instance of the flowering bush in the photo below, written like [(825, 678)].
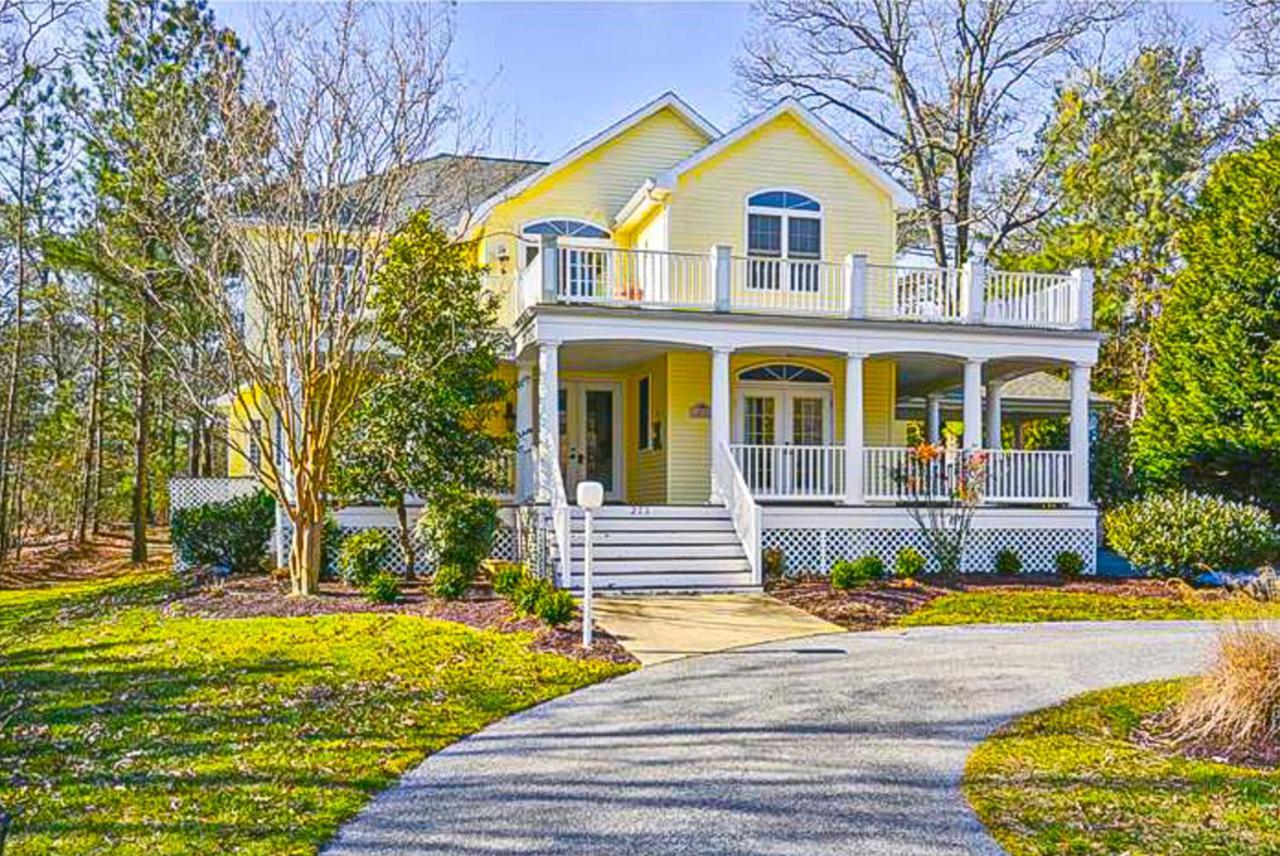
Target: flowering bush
[(1184, 532), (942, 489)]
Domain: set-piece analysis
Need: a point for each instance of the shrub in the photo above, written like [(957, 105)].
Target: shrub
[(451, 581), (847, 574), (362, 555), (1234, 708), (529, 594), (1182, 533), (460, 528), (1069, 564), (774, 563), (231, 535), (330, 547), (506, 578), (909, 562), (383, 587), (555, 608), (1008, 563)]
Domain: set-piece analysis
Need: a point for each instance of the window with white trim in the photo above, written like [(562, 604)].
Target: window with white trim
[(784, 241), (643, 414)]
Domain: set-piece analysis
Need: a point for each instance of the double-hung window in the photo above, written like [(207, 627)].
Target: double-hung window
[(784, 241)]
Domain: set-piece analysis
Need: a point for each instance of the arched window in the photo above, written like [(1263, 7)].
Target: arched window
[(786, 226), (784, 372), (566, 229)]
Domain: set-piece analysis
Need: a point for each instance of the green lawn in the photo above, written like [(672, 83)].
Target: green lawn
[(1020, 607), (124, 731), (1068, 781)]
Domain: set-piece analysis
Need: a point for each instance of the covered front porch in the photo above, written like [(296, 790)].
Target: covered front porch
[(675, 424)]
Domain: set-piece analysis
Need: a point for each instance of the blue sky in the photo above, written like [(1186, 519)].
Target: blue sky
[(556, 73)]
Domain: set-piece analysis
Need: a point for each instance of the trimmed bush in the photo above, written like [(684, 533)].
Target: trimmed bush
[(451, 582), (460, 529), (774, 562), (1008, 563), (1184, 533), (847, 574), (555, 608), (384, 587), (506, 578), (529, 594), (909, 562), (231, 535), (1069, 564), (362, 555)]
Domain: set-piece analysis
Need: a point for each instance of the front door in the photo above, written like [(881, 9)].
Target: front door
[(591, 436), (774, 421)]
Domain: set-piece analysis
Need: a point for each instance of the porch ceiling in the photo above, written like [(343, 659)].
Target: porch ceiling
[(921, 374), (609, 356)]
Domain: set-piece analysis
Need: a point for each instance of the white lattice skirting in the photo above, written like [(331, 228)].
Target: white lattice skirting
[(1036, 536), (189, 493)]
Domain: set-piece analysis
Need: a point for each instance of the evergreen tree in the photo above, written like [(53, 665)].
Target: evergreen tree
[(1213, 412)]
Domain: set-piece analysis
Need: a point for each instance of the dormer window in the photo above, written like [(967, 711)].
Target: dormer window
[(783, 225)]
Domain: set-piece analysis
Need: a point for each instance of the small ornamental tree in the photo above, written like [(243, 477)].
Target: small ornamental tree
[(942, 489), (420, 428)]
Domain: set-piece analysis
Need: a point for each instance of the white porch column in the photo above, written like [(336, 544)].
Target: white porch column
[(972, 403), (933, 418), (1079, 427), (524, 431), (853, 429), (548, 416), (721, 411), (995, 389)]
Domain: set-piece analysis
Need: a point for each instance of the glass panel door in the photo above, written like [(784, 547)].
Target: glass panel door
[(808, 428), (584, 272), (760, 435), (597, 441)]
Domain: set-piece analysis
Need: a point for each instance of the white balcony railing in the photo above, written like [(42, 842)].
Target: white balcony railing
[(788, 286), (1010, 476), (791, 472), (567, 273), (634, 277)]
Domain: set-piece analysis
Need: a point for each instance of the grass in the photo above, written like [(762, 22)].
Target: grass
[(1068, 780), (126, 731), (1005, 606)]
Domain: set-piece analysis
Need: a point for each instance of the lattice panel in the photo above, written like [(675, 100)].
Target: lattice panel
[(815, 550), (189, 493)]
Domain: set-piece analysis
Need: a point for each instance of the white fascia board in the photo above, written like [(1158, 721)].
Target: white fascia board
[(646, 196), (664, 101), (902, 198)]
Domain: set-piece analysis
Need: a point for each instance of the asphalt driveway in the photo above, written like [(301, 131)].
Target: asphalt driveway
[(848, 743)]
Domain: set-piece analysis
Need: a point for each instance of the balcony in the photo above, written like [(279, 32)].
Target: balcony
[(853, 289)]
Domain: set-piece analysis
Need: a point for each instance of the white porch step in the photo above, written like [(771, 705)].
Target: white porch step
[(656, 524), (631, 512), (668, 564), (644, 538), (666, 582), (614, 552)]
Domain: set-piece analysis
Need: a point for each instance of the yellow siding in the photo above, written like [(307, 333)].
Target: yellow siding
[(688, 439), (709, 205), (597, 185), (646, 468), (240, 414)]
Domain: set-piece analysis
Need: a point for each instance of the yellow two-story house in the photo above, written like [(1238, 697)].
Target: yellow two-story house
[(712, 326)]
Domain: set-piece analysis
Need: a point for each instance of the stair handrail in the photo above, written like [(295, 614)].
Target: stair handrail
[(743, 509), (561, 518)]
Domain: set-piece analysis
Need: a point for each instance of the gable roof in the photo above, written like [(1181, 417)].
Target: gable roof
[(667, 100), (902, 198)]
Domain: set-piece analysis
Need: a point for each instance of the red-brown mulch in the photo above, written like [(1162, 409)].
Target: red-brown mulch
[(58, 560), (880, 604), (261, 596), (1157, 734)]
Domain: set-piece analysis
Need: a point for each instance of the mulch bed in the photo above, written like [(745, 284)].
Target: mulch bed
[(261, 596), (881, 604), (1156, 734), (57, 561)]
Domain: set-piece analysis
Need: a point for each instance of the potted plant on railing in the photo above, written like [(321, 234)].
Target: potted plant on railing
[(942, 489)]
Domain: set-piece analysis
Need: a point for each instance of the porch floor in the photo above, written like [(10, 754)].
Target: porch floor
[(657, 629)]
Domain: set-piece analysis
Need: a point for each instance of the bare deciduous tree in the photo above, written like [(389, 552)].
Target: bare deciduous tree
[(306, 185), (934, 86)]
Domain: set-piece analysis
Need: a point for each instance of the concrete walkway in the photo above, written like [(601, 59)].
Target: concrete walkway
[(848, 744), (658, 629)]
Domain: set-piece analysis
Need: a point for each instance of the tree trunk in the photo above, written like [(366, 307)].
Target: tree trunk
[(141, 438), (87, 498), (15, 365), (304, 553), (406, 540)]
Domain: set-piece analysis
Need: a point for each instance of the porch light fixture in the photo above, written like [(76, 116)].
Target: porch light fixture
[(590, 498)]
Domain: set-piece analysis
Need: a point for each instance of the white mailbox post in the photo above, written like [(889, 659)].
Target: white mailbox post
[(590, 498)]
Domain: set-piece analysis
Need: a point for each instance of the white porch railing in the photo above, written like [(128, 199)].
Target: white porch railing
[(916, 293), (1031, 299), (791, 472), (733, 491), (561, 521), (1011, 475), (788, 286), (635, 277)]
